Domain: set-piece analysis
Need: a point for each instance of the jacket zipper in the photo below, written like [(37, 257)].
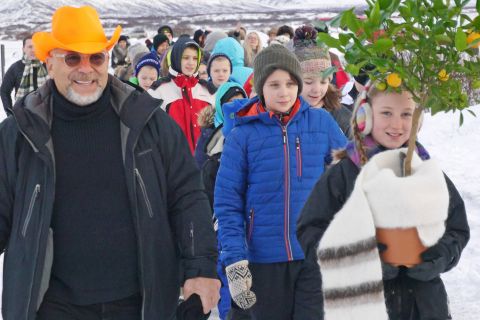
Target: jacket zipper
[(144, 192), (33, 199), (286, 228), (298, 151), (192, 238), (250, 226), (142, 280), (39, 237)]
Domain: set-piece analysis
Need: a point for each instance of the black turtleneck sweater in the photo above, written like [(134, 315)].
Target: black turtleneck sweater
[(95, 249)]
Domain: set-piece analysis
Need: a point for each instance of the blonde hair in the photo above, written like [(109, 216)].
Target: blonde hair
[(250, 53)]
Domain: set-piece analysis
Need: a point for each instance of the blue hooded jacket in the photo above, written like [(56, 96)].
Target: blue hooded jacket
[(267, 171), (235, 52)]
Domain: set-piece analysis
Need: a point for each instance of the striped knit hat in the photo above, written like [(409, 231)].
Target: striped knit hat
[(150, 59)]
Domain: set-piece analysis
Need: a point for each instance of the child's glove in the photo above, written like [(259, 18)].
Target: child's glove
[(435, 262), (239, 284)]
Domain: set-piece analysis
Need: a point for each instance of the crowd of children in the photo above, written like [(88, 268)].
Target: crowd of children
[(305, 218)]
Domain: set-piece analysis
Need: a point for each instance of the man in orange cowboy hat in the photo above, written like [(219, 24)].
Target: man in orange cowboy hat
[(102, 211)]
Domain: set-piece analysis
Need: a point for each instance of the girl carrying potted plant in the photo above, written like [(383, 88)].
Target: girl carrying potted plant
[(366, 192)]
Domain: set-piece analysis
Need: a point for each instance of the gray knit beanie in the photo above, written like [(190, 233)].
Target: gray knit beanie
[(272, 58)]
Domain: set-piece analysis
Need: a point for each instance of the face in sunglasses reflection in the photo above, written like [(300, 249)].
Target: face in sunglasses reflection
[(80, 78)]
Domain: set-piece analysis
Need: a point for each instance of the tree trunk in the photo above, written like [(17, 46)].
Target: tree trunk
[(411, 141)]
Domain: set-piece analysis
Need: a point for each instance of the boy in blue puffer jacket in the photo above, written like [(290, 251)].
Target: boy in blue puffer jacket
[(278, 148)]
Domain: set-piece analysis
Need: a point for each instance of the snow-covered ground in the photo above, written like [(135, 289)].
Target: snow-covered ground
[(457, 149)]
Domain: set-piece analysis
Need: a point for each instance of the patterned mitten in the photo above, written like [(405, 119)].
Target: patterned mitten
[(239, 284)]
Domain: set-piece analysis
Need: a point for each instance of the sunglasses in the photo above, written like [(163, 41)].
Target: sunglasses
[(73, 59)]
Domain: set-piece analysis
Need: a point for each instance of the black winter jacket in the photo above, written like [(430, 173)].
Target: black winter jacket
[(406, 298), (11, 81), (172, 218)]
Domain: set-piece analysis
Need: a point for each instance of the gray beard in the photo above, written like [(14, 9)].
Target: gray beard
[(82, 100)]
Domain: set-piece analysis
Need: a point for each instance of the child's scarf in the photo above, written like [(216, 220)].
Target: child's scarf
[(347, 253)]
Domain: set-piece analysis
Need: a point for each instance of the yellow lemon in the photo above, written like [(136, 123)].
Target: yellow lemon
[(472, 37), (394, 80), (381, 86), (443, 75)]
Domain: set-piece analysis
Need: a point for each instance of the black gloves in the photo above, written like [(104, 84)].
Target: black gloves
[(435, 259)]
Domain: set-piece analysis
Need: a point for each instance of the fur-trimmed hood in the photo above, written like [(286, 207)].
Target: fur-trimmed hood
[(206, 116)]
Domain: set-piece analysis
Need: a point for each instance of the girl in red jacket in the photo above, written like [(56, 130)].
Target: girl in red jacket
[(183, 96)]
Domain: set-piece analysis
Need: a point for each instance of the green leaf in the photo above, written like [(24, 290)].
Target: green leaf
[(453, 12), (350, 20), (461, 40), (478, 6), (466, 17), (352, 69), (439, 28), (393, 6), (380, 63), (330, 41), (434, 106), (375, 17), (384, 4), (382, 45), (405, 13), (472, 113), (438, 5), (461, 119), (443, 39), (344, 38), (336, 21), (328, 72)]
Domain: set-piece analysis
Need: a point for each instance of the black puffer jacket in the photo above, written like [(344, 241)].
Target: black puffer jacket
[(172, 216), (11, 81), (406, 298)]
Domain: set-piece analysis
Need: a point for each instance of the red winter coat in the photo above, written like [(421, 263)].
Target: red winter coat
[(183, 99)]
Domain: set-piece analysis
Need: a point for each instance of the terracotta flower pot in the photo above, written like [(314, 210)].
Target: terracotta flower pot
[(403, 246)]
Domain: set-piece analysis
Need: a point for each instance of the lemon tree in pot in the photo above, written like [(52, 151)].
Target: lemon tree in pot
[(426, 47)]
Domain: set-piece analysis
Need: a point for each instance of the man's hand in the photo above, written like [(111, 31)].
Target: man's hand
[(208, 290)]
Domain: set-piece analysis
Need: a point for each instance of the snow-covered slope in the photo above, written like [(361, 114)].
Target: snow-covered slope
[(457, 150), (24, 16), (17, 16)]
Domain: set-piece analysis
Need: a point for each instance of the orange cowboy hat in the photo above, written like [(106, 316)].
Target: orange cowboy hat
[(74, 29)]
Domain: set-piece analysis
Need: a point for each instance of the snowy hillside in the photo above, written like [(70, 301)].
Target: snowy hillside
[(18, 16), (25, 16)]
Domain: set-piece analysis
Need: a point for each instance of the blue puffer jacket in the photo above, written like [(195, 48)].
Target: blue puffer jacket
[(235, 52), (266, 173)]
